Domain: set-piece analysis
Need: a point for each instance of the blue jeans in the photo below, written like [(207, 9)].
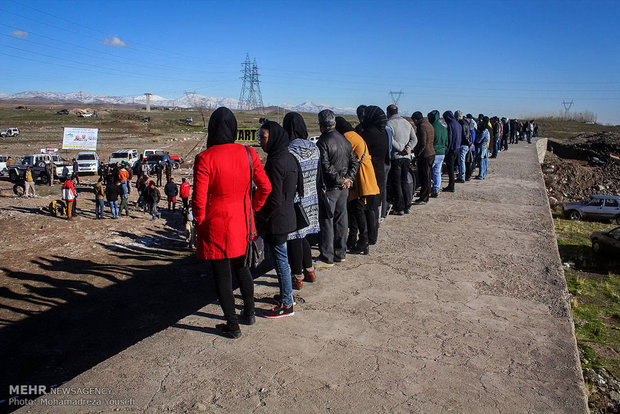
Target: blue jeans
[(483, 159), (99, 206), (114, 208), (276, 256), (154, 211), (462, 153), (436, 174)]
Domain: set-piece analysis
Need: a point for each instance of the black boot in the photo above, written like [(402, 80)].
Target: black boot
[(229, 330)]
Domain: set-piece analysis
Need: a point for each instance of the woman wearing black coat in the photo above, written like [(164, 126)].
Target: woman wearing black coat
[(374, 133), (277, 217)]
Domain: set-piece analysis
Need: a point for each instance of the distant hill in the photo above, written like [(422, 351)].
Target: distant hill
[(186, 101)]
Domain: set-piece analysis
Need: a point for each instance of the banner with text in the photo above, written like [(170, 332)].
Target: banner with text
[(246, 134), (80, 138)]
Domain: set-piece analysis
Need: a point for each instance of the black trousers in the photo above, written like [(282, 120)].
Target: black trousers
[(158, 180), (504, 142), (363, 221), (450, 164), (399, 185), (425, 166), (222, 274), (185, 203), (299, 255)]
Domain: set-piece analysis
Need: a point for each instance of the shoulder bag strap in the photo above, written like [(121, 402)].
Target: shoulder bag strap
[(251, 213)]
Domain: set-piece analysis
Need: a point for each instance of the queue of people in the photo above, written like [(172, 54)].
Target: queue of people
[(335, 193)]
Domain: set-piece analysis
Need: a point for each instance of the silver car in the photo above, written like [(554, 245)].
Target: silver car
[(602, 207)]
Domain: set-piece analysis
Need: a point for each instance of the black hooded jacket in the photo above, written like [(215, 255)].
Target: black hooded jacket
[(376, 137), (277, 217)]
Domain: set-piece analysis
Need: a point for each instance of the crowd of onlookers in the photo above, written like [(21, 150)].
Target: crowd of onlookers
[(335, 193)]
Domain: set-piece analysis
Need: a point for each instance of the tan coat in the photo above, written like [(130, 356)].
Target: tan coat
[(365, 182)]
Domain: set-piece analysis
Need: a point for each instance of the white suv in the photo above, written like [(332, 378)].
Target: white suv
[(88, 162), (126, 155)]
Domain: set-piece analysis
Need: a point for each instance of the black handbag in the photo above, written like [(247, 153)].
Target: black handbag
[(300, 213), (255, 249)]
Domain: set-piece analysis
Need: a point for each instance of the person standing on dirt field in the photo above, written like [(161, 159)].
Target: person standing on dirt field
[(184, 193), (159, 170), (339, 167), (168, 171), (505, 134), (68, 196), (404, 140), (123, 177), (152, 198), (29, 183), (440, 144), (49, 170), (171, 190), (111, 194), (455, 134), (424, 154), (99, 198), (76, 171)]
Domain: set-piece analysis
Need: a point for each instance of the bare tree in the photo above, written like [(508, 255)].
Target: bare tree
[(198, 105)]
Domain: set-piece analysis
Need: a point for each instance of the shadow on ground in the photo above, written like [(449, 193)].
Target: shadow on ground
[(155, 283)]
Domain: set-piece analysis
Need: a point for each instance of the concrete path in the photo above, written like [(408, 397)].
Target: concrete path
[(462, 306)]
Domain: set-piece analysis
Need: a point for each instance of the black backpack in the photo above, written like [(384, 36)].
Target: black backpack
[(466, 136)]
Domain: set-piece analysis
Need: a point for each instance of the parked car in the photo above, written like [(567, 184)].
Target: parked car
[(606, 241), (3, 167), (152, 160), (176, 160), (62, 166), (63, 112), (88, 162), (36, 162), (126, 155), (11, 132), (602, 207)]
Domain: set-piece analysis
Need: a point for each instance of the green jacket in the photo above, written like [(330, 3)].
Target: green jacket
[(441, 133)]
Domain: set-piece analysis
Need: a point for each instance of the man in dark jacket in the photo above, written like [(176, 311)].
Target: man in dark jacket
[(454, 144), (339, 166), (168, 168), (466, 143), (505, 134), (159, 170), (152, 198), (277, 217), (424, 154), (76, 171), (171, 191)]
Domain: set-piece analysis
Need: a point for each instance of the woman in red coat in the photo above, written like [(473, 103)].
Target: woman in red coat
[(221, 208)]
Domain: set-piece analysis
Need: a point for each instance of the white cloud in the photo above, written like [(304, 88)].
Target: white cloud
[(20, 34), (114, 41)]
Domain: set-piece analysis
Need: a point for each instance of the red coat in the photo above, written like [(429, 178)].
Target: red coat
[(221, 201), (185, 187)]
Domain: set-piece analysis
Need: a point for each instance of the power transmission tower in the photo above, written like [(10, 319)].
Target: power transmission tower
[(251, 97), (567, 106), (396, 96)]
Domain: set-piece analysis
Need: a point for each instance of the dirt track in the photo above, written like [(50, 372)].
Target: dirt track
[(462, 306)]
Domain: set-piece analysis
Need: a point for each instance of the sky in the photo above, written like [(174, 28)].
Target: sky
[(507, 58)]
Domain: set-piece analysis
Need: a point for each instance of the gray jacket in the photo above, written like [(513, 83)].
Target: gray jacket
[(402, 135)]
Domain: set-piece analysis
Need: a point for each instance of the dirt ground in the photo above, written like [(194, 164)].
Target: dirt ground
[(462, 306), (581, 166)]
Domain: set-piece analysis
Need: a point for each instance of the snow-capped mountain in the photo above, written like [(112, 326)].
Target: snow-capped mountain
[(186, 101)]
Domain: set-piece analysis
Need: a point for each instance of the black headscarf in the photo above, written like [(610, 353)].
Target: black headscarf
[(295, 126), (278, 138), (342, 125), (374, 116), (360, 112), (222, 127)]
